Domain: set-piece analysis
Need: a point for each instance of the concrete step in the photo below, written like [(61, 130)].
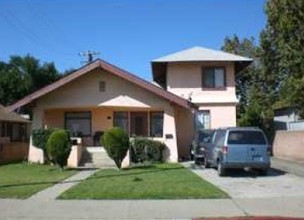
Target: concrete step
[(96, 157)]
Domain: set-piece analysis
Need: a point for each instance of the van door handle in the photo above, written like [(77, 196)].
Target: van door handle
[(252, 149)]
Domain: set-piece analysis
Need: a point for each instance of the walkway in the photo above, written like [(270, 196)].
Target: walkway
[(54, 191)]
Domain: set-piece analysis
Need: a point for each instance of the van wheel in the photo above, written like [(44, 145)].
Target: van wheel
[(263, 172), (197, 161), (220, 169), (206, 164)]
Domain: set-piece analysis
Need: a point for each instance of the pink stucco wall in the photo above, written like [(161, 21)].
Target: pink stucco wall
[(289, 144), (221, 115), (185, 79)]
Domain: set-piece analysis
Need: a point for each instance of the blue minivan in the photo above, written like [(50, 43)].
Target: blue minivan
[(239, 147)]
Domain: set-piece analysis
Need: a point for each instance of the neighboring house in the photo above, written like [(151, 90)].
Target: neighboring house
[(14, 136), (100, 95), (287, 118)]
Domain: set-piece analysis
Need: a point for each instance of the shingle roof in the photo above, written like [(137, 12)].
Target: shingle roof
[(201, 54), (5, 115), (111, 69)]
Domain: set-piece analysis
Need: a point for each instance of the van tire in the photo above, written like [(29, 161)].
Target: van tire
[(206, 163), (220, 170), (263, 172), (197, 161)]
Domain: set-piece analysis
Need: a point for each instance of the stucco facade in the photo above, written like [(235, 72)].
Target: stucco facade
[(289, 145), (185, 80)]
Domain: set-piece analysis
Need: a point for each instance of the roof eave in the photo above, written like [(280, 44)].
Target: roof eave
[(107, 67)]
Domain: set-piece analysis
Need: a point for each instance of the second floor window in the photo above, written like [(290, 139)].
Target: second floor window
[(214, 77)]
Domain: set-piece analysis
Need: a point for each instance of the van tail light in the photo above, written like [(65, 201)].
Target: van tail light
[(224, 149)]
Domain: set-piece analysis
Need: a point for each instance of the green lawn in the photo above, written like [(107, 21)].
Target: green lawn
[(163, 181), (21, 180)]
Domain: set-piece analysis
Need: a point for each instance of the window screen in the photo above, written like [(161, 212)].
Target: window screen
[(156, 124), (213, 78), (121, 120), (78, 123)]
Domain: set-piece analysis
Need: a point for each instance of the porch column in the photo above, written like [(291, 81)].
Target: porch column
[(35, 154), (170, 138)]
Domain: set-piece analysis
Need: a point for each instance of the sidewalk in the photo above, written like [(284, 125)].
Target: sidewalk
[(149, 209), (294, 167)]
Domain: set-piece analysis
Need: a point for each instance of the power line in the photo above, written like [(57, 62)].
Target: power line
[(47, 21), (29, 33)]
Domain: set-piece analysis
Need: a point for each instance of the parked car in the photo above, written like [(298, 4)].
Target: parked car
[(200, 145), (239, 148)]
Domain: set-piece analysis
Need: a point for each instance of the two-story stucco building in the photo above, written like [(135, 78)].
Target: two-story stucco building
[(206, 78), (194, 85)]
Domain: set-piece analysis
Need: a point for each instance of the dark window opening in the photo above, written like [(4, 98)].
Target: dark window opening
[(102, 86), (121, 120), (139, 124), (156, 124), (214, 77), (78, 123), (16, 132)]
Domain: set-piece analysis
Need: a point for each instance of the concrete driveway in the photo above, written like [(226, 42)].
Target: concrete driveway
[(242, 184)]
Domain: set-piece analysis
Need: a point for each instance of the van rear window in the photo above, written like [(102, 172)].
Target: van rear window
[(246, 137)]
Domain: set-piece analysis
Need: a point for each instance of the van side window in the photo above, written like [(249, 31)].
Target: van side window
[(222, 138), (219, 137)]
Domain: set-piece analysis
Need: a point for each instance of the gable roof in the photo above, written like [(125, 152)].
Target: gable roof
[(5, 115), (111, 69), (201, 54), (195, 54)]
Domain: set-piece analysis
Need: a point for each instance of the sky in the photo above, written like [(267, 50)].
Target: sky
[(126, 33)]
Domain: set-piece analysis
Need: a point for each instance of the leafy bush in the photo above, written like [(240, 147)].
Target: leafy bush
[(116, 142), (40, 138), (59, 147), (145, 150)]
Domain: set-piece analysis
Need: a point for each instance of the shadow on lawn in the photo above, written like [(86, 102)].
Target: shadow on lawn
[(118, 174)]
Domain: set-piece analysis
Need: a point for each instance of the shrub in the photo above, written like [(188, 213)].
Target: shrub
[(116, 143), (40, 138), (59, 147), (144, 150)]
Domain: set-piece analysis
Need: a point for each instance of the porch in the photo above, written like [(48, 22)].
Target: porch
[(14, 139), (87, 124), (90, 123)]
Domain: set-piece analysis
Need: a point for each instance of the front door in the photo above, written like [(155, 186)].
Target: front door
[(139, 124)]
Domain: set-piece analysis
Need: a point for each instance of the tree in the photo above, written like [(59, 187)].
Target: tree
[(59, 147), (283, 44), (255, 86), (22, 76), (116, 142), (249, 78)]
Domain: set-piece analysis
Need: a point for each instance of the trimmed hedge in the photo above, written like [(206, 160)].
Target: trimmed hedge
[(144, 150), (116, 143), (59, 147), (40, 138)]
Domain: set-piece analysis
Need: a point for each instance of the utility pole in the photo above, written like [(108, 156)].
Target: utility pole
[(88, 56)]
